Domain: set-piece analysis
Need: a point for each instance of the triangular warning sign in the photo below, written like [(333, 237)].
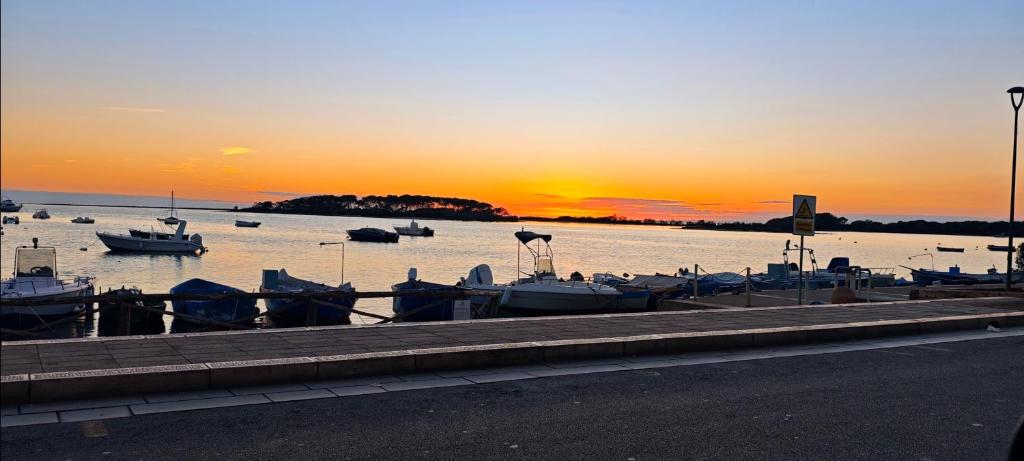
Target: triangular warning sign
[(804, 212)]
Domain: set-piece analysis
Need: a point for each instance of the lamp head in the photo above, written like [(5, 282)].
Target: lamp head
[(1014, 92)]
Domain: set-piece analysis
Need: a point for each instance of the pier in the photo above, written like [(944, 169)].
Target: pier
[(48, 370)]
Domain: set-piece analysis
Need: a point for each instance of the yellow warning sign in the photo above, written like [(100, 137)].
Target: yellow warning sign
[(804, 211), (803, 214)]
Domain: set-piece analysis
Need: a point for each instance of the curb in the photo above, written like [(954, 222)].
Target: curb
[(44, 387)]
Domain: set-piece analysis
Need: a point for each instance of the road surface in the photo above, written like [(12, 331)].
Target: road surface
[(957, 400)]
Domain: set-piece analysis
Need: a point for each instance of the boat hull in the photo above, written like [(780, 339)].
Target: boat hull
[(529, 300), (10, 208), (297, 310), (127, 243), (423, 308), (18, 315), (233, 309), (358, 235)]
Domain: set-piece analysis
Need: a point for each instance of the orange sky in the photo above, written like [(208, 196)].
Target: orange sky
[(875, 120)]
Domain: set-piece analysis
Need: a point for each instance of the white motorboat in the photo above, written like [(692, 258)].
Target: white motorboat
[(41, 214), (8, 206), (154, 242), (36, 278), (414, 229), (172, 219), (542, 292)]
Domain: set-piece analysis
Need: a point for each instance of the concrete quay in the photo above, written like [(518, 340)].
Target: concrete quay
[(48, 370)]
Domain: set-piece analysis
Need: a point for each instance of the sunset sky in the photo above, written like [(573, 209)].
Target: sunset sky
[(715, 110)]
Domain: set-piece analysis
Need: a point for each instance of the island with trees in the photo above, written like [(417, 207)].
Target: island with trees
[(387, 206)]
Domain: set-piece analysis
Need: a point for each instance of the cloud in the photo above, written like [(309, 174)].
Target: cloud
[(148, 110), (549, 195), (235, 150), (709, 204), (772, 201), (70, 160)]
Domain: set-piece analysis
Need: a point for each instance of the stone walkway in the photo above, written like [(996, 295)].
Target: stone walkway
[(28, 357)]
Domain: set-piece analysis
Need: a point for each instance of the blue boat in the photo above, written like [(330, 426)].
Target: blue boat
[(413, 307), (231, 309), (329, 311)]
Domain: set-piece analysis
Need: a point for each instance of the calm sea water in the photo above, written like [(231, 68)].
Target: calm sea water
[(237, 255)]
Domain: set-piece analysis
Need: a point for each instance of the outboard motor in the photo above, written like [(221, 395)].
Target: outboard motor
[(412, 274), (480, 275), (197, 240), (837, 262)]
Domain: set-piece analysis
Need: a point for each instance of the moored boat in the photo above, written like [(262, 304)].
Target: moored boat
[(334, 310), (138, 317), (83, 220), (420, 301), (36, 278), (172, 218), (541, 292), (154, 242), (241, 223), (414, 230), (8, 206), (11, 220), (954, 277), (228, 309), (371, 234), (1001, 248), (41, 214), (949, 249)]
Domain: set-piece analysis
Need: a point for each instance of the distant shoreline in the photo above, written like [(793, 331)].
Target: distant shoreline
[(751, 227), (153, 207)]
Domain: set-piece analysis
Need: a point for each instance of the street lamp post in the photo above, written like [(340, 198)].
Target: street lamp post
[(1014, 92)]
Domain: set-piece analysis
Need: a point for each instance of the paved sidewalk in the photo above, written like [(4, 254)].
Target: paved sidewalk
[(212, 360)]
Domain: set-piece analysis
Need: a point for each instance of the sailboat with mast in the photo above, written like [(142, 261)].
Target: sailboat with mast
[(172, 219)]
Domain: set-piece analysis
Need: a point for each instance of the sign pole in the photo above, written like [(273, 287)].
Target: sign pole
[(804, 211), (800, 278)]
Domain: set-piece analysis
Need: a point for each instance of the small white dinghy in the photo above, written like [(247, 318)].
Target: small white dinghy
[(36, 278)]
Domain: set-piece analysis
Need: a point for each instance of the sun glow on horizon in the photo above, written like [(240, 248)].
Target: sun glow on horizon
[(648, 110)]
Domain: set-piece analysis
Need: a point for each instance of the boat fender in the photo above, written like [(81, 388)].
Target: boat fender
[(506, 295)]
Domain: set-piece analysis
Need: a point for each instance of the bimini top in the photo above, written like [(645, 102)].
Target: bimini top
[(527, 237)]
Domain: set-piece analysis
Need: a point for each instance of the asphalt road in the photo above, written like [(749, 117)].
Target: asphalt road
[(942, 401)]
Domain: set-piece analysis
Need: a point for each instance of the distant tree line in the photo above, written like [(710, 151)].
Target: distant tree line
[(829, 222), (387, 206), (429, 207)]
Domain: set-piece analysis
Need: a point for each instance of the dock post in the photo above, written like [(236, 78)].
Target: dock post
[(696, 276), (311, 314), (124, 320), (748, 287)]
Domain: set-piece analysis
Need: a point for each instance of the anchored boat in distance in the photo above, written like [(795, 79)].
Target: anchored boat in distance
[(8, 206), (414, 230), (154, 242), (371, 234)]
